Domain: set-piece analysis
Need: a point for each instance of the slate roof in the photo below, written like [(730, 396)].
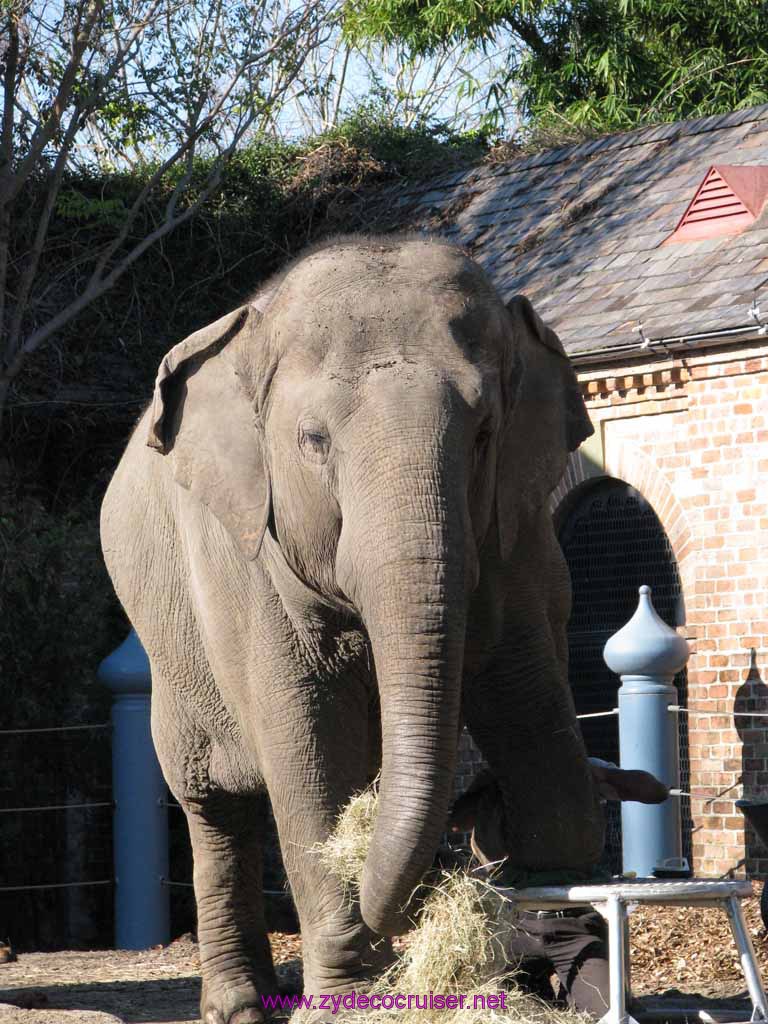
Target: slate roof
[(579, 230)]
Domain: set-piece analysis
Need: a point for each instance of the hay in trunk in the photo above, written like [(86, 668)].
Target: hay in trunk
[(346, 848), (456, 949)]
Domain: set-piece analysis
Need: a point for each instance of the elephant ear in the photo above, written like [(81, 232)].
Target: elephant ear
[(202, 420), (546, 419), (577, 423)]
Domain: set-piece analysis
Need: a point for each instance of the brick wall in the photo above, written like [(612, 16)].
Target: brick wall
[(691, 434), (468, 763)]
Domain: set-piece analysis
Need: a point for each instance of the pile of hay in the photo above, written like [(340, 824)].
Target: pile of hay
[(456, 948)]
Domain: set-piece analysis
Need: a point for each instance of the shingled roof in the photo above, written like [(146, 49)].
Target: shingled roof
[(580, 229)]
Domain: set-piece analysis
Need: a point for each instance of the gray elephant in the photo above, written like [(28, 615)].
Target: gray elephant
[(330, 531)]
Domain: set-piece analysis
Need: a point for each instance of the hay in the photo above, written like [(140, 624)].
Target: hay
[(345, 850), (455, 950), (456, 942)]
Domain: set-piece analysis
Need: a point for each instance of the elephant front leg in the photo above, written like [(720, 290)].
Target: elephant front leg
[(340, 952), (520, 712), (314, 766), (227, 835)]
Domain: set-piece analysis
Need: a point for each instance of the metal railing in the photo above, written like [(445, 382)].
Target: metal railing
[(44, 808), (140, 794)]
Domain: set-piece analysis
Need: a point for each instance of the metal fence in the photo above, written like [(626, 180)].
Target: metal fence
[(55, 846), (76, 830)]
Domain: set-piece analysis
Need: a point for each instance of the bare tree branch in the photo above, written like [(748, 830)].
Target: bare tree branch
[(10, 69), (33, 260), (184, 80), (46, 130)]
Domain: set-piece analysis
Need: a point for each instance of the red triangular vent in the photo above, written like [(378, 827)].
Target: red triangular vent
[(728, 200)]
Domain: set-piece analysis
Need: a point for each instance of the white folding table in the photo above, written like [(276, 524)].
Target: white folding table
[(611, 900)]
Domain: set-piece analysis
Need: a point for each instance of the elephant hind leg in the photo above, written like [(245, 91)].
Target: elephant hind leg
[(227, 834)]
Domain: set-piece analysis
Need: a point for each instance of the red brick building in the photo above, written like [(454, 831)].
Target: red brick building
[(671, 347)]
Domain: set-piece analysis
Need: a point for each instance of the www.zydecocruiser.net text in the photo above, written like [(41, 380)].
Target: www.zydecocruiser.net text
[(387, 1001)]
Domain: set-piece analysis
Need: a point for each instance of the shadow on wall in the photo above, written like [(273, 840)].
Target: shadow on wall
[(752, 697)]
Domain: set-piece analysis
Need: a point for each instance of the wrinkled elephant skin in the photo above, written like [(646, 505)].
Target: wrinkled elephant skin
[(330, 532)]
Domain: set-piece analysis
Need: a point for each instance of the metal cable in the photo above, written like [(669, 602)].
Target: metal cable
[(734, 714), (53, 807), (687, 711), (56, 728), (189, 885), (52, 885)]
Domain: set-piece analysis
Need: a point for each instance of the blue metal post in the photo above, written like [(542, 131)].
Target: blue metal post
[(647, 654), (140, 830)]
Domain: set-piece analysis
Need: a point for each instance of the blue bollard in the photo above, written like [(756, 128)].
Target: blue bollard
[(647, 654), (140, 828)]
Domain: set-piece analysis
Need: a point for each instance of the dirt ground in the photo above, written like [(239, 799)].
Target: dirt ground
[(674, 952)]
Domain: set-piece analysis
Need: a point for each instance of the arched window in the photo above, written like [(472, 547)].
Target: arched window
[(614, 542)]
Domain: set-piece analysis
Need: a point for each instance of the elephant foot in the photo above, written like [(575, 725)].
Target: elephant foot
[(324, 1016), (314, 1017), (247, 1015), (234, 1004)]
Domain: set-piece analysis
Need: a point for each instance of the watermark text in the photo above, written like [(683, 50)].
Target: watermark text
[(386, 1001)]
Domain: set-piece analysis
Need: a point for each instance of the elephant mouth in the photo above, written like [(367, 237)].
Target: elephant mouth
[(336, 603)]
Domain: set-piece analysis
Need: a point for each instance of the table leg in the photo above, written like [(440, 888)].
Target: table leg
[(627, 959), (615, 913), (747, 957)]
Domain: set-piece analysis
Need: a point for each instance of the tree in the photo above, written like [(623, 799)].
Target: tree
[(605, 65), (409, 89), (165, 88)]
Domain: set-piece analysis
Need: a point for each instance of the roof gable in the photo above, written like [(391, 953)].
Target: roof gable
[(579, 231), (729, 199)]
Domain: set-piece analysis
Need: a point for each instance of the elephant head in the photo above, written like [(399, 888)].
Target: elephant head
[(377, 424)]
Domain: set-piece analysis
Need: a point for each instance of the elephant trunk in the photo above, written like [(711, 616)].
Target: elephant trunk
[(419, 673), (412, 579)]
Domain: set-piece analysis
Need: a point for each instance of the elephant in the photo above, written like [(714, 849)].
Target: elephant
[(330, 530)]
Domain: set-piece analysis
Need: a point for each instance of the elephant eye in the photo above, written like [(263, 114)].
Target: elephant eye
[(314, 443)]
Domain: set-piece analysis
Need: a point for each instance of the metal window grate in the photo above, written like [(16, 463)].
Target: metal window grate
[(614, 542)]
